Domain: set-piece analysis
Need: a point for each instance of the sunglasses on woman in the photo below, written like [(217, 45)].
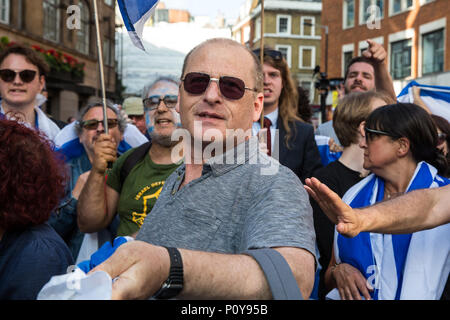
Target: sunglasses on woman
[(92, 124), (152, 102), (370, 132), (8, 75), (230, 87)]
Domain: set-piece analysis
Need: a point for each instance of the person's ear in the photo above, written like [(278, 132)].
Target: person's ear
[(404, 146)]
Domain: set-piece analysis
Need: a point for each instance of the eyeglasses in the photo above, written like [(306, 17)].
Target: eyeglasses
[(92, 124), (152, 102), (442, 137), (230, 87), (9, 75), (369, 132), (274, 54)]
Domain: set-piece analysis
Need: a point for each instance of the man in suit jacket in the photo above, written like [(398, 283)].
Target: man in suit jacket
[(294, 145)]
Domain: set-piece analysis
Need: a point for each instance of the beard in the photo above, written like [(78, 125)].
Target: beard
[(163, 140)]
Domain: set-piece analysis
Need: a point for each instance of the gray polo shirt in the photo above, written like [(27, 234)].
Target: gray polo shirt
[(233, 207)]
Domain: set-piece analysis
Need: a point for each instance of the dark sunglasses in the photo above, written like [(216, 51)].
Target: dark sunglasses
[(93, 123), (9, 75), (230, 87), (370, 132), (274, 54), (152, 102), (442, 137)]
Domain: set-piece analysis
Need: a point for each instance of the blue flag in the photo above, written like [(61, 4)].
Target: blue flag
[(135, 14)]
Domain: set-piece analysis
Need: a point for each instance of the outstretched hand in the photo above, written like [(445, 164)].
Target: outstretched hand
[(346, 218)]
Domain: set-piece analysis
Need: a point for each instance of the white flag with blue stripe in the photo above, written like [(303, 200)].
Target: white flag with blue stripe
[(436, 98), (326, 155), (135, 14)]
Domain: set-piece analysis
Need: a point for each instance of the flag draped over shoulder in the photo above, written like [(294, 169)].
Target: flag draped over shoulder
[(436, 98), (403, 266), (134, 14)]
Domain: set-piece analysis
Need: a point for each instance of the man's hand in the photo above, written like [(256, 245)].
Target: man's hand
[(347, 219), (105, 150), (375, 51), (140, 269)]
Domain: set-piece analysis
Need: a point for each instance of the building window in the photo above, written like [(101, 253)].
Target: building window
[(370, 8), (398, 6), (109, 2), (347, 57), (307, 57), (307, 25), (107, 52), (4, 11), (83, 34), (349, 14), (286, 51), (433, 52), (257, 34), (284, 24), (401, 59), (51, 19)]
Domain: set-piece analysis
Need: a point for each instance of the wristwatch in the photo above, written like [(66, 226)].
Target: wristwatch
[(174, 283)]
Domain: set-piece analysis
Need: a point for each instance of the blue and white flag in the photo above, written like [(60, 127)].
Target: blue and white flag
[(405, 266), (436, 98), (135, 14), (68, 143), (326, 155)]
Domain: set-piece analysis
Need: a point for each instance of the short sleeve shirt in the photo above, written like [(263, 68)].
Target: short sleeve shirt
[(253, 202)]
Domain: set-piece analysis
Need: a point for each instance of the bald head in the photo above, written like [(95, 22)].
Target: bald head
[(257, 69)]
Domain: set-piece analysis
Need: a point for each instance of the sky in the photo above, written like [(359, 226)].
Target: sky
[(230, 8)]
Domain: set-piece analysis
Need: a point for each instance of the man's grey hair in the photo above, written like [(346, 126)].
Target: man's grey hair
[(98, 103), (147, 88)]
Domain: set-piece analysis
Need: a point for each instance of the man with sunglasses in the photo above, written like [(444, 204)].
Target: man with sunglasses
[(133, 197), (294, 145), (216, 209), (22, 78)]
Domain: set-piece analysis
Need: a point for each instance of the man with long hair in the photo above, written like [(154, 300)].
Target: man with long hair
[(295, 142)]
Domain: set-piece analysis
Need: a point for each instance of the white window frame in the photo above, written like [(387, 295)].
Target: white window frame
[(57, 23), (288, 54), (344, 15), (313, 26), (289, 23), (403, 7), (424, 2), (427, 28), (5, 5), (362, 12), (246, 33), (350, 47), (313, 57), (84, 33), (257, 34), (398, 36)]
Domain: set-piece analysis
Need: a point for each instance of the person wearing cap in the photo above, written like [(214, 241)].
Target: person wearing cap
[(134, 108)]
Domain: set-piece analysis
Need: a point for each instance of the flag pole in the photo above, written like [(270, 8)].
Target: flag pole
[(261, 51), (100, 60)]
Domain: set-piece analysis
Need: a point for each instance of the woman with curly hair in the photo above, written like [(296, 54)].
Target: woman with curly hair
[(31, 184)]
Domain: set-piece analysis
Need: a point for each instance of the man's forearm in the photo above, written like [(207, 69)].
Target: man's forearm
[(412, 212), (229, 276), (92, 204), (383, 80)]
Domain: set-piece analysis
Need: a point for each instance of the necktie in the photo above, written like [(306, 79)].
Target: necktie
[(267, 124)]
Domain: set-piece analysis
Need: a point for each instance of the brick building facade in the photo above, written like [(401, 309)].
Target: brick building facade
[(44, 23), (413, 32)]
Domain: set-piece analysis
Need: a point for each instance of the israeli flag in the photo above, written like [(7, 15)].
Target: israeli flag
[(436, 98), (68, 144), (326, 155), (135, 14)]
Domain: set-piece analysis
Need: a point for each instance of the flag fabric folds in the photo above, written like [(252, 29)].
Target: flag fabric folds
[(436, 98), (135, 14)]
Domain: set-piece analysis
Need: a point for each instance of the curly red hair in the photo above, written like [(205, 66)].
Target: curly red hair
[(32, 178)]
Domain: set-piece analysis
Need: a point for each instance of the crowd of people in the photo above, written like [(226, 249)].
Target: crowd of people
[(184, 171)]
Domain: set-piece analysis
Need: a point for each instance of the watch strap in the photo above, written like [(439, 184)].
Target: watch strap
[(174, 283)]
